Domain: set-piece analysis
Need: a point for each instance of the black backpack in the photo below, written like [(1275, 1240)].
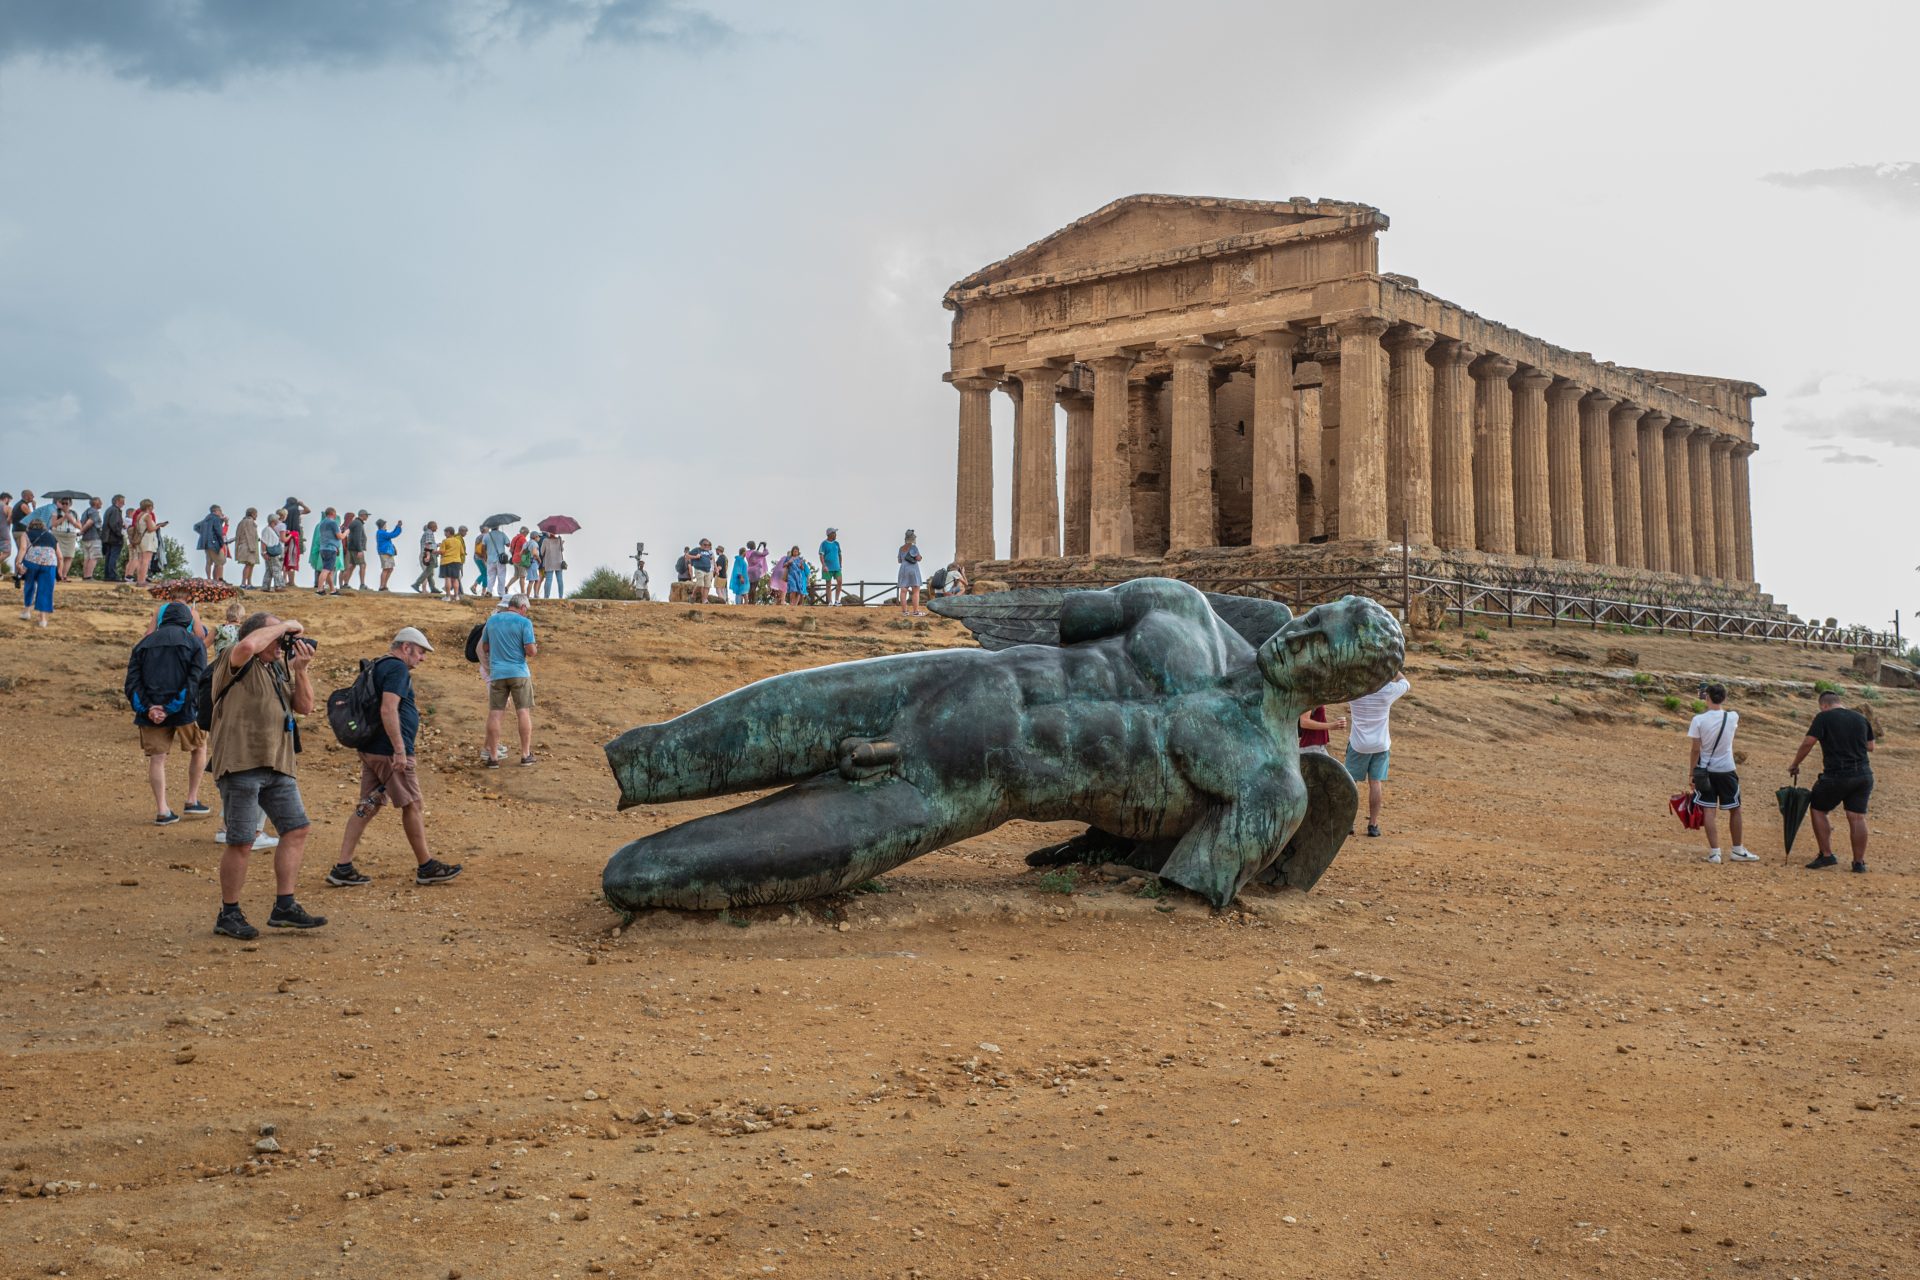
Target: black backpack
[(473, 641), (203, 700), (353, 713)]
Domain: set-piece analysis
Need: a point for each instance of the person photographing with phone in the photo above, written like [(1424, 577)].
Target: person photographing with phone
[(1711, 773)]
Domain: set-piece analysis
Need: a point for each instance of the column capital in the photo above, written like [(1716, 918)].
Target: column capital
[(1045, 374), (1357, 324), (1628, 410), (1492, 366), (1565, 387), (1127, 353), (1072, 395), (1679, 428), (1654, 420), (1745, 449), (1707, 434), (1598, 401), (1281, 338), (1109, 361), (1409, 338), (1451, 351), (1529, 378), (1192, 349), (973, 381), (1721, 444)]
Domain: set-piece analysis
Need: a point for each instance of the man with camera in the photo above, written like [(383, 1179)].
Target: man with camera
[(260, 688), (1711, 774)]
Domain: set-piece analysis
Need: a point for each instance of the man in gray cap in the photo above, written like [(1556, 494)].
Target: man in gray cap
[(387, 774)]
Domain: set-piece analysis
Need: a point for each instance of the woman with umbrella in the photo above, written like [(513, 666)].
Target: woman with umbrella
[(553, 553), (147, 525)]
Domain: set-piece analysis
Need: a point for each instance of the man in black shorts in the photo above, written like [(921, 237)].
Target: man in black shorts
[(1846, 776)]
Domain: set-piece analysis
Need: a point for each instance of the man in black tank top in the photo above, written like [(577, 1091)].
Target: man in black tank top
[(1846, 776)]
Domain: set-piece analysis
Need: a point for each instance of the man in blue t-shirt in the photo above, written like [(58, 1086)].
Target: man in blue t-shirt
[(830, 565), (387, 772), (506, 642)]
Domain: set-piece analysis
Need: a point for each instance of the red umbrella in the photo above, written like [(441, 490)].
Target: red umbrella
[(560, 524)]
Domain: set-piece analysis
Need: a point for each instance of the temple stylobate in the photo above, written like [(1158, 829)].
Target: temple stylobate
[(1240, 373)]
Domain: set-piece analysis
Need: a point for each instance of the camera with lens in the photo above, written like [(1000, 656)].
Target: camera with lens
[(286, 645), (1703, 689)]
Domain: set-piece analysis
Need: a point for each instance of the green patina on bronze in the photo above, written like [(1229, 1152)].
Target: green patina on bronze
[(1163, 717)]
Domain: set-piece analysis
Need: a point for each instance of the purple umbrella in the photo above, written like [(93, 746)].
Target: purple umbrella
[(560, 524)]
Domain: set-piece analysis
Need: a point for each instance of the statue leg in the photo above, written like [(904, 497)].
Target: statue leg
[(822, 836)]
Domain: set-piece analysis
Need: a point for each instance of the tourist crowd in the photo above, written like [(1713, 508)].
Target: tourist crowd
[(753, 575)]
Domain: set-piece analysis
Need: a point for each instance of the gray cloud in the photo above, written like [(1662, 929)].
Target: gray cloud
[(201, 43), (1893, 184), (1839, 454), (1877, 411)]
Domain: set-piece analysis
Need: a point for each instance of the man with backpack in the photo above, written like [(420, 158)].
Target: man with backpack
[(381, 699), (163, 678), (1711, 774), (503, 649)]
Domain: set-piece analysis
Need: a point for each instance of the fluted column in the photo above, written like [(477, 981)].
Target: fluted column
[(1596, 469), (973, 495), (1039, 532), (1726, 556), (1653, 491), (1563, 470), (1629, 529), (1679, 499), (1742, 513), (1453, 518), (1276, 487), (1079, 487), (1363, 428), (1532, 493), (1410, 436), (1700, 478), (1110, 518), (1012, 389), (1190, 468), (1493, 454)]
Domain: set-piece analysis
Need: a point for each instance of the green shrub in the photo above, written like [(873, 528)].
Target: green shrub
[(1825, 686), (1150, 889), (1869, 694), (605, 584), (173, 561), (1065, 880), (1671, 702), (1699, 705), (1481, 633), (1644, 679)]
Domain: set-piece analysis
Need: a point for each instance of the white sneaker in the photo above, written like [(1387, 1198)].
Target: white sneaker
[(1743, 855), (266, 840), (1714, 857)]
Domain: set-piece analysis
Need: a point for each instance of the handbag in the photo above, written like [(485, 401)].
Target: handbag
[(1702, 776)]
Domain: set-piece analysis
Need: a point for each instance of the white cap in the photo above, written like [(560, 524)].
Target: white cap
[(412, 635)]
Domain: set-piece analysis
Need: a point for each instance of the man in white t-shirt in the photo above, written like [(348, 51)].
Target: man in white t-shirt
[(1369, 745), (1710, 772)]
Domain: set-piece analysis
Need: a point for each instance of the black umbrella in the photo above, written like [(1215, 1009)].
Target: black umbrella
[(60, 494), (1794, 803), (503, 518)]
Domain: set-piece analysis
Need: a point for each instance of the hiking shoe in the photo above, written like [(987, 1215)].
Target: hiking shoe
[(166, 819), (266, 840), (1860, 868), (232, 924), (345, 875), (434, 871), (526, 760), (1824, 860), (194, 809), (490, 763), (1714, 857), (500, 752), (294, 917), (1744, 855), (1373, 828)]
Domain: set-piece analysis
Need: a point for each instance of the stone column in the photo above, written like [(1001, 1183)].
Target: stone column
[(1039, 534), (1110, 518), (1453, 517), (1700, 474), (1532, 493), (1410, 436), (1012, 387), (1190, 466), (1079, 486), (1653, 491), (973, 496), (1563, 470), (1629, 531), (1596, 468), (1493, 454), (1363, 429), (1742, 513), (1276, 485), (1679, 483), (1307, 387), (1726, 555)]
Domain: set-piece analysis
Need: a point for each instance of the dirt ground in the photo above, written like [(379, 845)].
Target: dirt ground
[(1527, 1033)]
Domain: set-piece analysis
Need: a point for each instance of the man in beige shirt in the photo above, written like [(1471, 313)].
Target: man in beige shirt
[(260, 689)]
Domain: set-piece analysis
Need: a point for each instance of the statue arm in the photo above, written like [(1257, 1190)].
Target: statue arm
[(1253, 810)]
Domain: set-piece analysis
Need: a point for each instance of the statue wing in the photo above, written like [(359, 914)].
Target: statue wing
[(1031, 615), (1332, 804)]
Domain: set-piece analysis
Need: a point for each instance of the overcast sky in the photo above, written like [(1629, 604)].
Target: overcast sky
[(677, 270)]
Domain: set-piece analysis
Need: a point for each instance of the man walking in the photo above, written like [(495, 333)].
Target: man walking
[(259, 690), (1711, 775), (296, 541), (92, 531), (429, 557), (506, 643), (1370, 745), (1846, 776), (387, 773), (830, 565), (355, 531), (453, 564), (163, 673), (326, 542), (211, 541), (113, 536)]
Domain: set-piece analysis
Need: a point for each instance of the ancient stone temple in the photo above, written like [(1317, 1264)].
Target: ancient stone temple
[(1241, 374)]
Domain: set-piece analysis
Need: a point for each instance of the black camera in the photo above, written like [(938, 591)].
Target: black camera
[(1703, 689), (286, 645)]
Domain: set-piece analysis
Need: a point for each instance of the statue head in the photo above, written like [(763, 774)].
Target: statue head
[(1333, 653)]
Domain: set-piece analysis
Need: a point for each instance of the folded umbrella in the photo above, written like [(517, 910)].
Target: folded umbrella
[(495, 521), (562, 525), (59, 494), (1794, 803)]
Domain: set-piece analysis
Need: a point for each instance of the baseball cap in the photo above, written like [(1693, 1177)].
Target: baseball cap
[(412, 635), (833, 531)]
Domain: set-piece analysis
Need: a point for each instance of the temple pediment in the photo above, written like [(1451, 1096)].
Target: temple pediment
[(1142, 226)]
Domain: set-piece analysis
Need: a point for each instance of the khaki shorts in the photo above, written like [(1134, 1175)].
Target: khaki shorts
[(392, 777), (386, 562), (158, 739), (517, 690)]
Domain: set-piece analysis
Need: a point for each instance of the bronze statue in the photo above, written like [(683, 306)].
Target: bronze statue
[(1162, 716)]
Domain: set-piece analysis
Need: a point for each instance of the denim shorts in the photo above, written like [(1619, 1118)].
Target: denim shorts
[(245, 795), (1367, 766)]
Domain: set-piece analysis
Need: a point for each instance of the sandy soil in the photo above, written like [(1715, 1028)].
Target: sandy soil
[(1527, 1033)]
